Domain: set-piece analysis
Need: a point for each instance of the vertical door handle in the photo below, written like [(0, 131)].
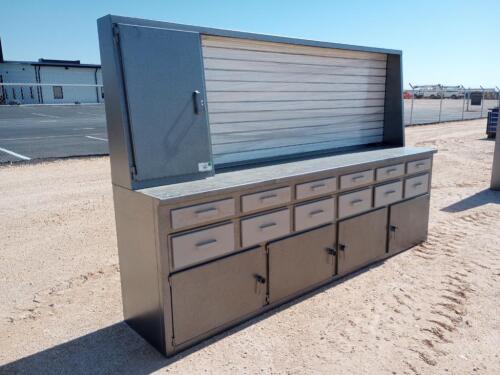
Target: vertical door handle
[(199, 103), (260, 281)]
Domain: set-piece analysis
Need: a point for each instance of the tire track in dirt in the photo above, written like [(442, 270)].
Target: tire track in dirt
[(445, 309), (44, 301)]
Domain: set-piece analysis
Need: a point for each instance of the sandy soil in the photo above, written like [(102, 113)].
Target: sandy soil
[(432, 310)]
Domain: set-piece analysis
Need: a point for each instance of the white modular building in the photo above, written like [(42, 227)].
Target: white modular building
[(49, 81)]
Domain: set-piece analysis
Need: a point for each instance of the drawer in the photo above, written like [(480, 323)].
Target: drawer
[(265, 227), (200, 213), (314, 188), (389, 193), (356, 179), (416, 185), (313, 214), (391, 171), (418, 166), (199, 246), (263, 199), (355, 203)]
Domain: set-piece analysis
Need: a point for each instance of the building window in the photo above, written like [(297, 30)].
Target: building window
[(58, 92)]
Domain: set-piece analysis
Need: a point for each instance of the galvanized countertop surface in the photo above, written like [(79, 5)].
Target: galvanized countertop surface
[(277, 173)]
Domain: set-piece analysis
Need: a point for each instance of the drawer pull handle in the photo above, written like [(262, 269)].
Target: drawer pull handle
[(267, 197), (206, 212), (206, 243), (317, 186), (417, 184), (356, 202), (356, 178), (316, 212), (418, 165), (389, 192), (267, 225), (391, 171)]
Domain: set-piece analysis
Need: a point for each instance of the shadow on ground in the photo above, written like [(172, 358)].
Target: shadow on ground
[(479, 199), (118, 349)]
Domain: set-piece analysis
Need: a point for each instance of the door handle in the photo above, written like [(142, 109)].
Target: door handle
[(199, 103), (331, 251), (260, 282)]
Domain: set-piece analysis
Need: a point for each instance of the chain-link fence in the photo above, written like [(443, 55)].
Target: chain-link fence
[(436, 103)]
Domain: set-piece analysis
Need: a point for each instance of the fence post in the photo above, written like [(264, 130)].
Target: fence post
[(463, 102), (412, 101), (482, 101), (441, 103)]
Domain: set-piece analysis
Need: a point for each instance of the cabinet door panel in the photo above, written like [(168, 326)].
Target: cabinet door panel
[(207, 297), (362, 240), (408, 223), (301, 261)]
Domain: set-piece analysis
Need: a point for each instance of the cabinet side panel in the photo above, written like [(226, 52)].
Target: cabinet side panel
[(393, 108), (135, 227), (116, 114)]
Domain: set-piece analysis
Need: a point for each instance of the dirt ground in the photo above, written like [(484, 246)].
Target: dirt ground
[(432, 310)]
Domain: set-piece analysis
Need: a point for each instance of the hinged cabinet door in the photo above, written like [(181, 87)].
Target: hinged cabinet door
[(209, 296), (165, 93), (301, 261), (409, 222), (362, 240)]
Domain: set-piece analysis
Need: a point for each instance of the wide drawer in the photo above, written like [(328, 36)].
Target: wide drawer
[(200, 213), (389, 193), (391, 171), (356, 179), (416, 185), (265, 227), (314, 214), (418, 166), (199, 246), (355, 203), (263, 199), (314, 188)]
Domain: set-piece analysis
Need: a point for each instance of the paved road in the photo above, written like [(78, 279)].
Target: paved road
[(36, 132), (49, 131)]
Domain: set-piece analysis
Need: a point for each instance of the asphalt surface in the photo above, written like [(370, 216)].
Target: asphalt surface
[(56, 131), (51, 131)]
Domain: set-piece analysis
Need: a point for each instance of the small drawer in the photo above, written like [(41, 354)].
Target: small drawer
[(389, 193), (418, 166), (264, 199), (416, 185), (187, 216), (391, 171), (314, 188), (265, 227), (199, 246), (356, 179), (313, 214), (354, 203)]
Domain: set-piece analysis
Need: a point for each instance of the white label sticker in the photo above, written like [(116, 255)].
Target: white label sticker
[(204, 167)]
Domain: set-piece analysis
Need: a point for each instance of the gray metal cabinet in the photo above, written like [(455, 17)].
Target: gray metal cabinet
[(362, 240), (408, 223), (213, 295), (301, 261)]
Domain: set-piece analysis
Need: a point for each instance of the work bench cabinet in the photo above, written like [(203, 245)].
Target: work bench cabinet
[(248, 170)]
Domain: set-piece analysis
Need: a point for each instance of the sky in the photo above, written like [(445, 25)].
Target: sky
[(448, 42)]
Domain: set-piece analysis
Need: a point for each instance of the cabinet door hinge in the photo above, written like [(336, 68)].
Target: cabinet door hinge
[(116, 34), (133, 171)]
